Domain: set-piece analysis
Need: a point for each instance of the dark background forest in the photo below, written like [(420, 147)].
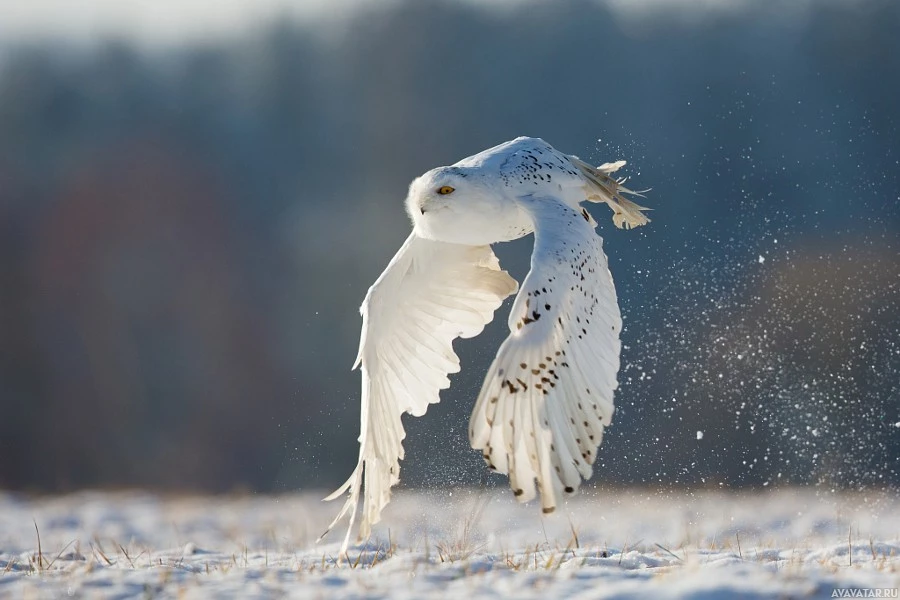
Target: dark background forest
[(186, 234)]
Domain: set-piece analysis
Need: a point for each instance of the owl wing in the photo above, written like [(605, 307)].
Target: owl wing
[(549, 393), (430, 294)]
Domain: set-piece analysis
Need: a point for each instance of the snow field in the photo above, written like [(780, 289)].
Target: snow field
[(802, 543)]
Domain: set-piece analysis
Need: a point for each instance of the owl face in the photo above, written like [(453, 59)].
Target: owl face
[(457, 205)]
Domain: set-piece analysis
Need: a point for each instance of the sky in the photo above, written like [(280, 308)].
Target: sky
[(167, 22), (151, 22)]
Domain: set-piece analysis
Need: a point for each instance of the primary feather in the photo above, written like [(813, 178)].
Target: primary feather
[(548, 395)]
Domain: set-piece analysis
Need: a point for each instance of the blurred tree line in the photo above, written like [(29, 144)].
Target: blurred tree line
[(186, 235)]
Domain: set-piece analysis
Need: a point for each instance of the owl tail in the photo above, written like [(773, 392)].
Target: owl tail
[(603, 188)]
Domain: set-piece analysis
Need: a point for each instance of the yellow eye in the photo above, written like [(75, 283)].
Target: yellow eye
[(445, 189)]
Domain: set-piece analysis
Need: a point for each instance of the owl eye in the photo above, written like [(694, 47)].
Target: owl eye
[(445, 189)]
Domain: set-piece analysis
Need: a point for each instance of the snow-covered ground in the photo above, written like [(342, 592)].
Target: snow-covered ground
[(460, 543)]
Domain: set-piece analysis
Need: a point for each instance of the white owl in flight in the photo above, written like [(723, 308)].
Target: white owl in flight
[(549, 392)]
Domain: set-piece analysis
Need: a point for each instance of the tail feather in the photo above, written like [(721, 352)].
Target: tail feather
[(603, 188)]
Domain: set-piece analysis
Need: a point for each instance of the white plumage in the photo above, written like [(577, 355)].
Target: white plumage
[(549, 393)]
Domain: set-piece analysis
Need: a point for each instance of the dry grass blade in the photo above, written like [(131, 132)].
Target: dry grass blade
[(375, 559), (625, 548), (574, 533), (40, 554), (850, 545), (125, 552), (669, 552), (66, 547), (99, 550), (10, 564)]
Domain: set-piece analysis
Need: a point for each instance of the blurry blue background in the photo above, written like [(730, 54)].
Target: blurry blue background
[(194, 199)]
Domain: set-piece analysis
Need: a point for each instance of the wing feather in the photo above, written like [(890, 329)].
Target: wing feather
[(549, 393), (430, 294)]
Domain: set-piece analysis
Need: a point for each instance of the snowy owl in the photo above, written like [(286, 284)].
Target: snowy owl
[(549, 393)]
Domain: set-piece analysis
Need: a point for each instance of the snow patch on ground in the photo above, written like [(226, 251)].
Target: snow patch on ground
[(455, 543)]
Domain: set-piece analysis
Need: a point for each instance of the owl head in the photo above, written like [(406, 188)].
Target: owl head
[(460, 206)]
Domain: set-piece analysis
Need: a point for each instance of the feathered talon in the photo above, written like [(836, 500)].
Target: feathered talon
[(603, 188)]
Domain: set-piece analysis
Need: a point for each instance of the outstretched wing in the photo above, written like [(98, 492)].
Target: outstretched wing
[(430, 294), (549, 392)]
